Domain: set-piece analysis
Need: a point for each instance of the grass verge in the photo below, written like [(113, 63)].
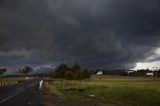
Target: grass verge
[(138, 91)]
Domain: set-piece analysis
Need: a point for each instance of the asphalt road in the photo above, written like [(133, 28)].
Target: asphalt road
[(21, 94)]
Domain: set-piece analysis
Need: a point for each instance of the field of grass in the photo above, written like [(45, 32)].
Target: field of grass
[(136, 91), (10, 79)]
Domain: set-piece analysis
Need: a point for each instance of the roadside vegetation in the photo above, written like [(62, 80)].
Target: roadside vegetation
[(109, 90), (74, 72), (13, 79)]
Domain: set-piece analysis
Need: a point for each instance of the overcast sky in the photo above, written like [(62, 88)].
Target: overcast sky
[(94, 33)]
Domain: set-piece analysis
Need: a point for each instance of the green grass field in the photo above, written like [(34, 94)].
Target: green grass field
[(136, 91), (10, 79)]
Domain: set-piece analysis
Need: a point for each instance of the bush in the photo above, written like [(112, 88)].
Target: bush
[(72, 73)]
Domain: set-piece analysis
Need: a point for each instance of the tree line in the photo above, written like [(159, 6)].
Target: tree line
[(124, 72), (63, 71), (24, 70), (74, 72)]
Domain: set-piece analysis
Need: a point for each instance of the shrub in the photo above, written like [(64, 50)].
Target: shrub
[(72, 73)]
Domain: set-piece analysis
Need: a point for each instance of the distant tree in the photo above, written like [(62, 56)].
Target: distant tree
[(25, 70), (159, 72), (87, 74), (62, 67), (76, 67), (61, 71), (71, 73), (142, 72), (2, 70)]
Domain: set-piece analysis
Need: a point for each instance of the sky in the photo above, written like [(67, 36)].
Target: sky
[(95, 33), (149, 63)]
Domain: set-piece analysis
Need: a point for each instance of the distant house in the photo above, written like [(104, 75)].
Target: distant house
[(130, 72), (150, 74), (99, 73)]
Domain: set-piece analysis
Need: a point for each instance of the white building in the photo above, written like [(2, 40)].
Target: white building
[(99, 73), (130, 72), (150, 74)]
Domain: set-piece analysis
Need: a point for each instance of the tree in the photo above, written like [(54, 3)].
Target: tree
[(2, 70), (72, 73), (76, 67), (25, 70), (61, 71), (69, 75), (87, 74)]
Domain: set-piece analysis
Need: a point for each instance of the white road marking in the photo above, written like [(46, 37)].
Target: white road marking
[(9, 97), (20, 90)]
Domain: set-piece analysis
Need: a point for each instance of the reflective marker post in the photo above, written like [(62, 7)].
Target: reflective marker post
[(40, 84)]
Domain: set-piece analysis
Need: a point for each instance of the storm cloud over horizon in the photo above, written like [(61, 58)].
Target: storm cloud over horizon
[(94, 33)]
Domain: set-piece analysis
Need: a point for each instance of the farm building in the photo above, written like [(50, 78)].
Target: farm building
[(150, 74), (99, 73), (130, 72)]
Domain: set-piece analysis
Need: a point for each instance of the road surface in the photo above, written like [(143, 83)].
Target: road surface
[(21, 94)]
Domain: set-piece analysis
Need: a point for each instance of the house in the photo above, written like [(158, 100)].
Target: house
[(130, 72), (99, 73), (150, 74)]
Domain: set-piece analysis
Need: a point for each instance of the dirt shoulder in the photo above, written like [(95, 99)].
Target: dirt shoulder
[(50, 99)]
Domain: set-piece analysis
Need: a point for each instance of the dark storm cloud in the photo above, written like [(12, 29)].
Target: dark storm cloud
[(95, 33)]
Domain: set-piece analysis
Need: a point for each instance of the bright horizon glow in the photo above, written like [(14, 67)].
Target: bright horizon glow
[(150, 65), (145, 65)]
